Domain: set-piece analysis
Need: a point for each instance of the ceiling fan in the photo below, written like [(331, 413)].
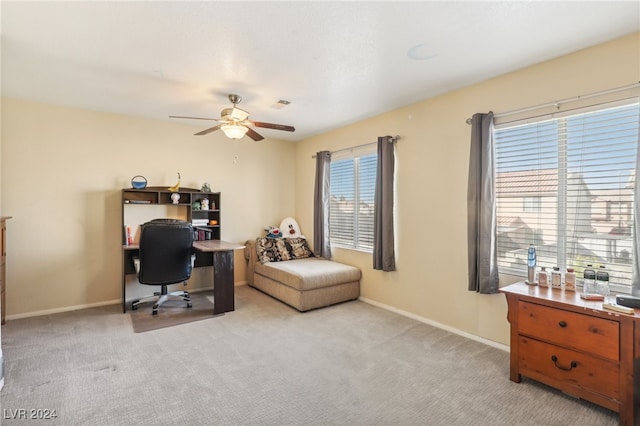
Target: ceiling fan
[(234, 122)]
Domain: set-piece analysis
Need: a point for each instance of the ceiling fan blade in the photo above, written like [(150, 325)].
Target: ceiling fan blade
[(254, 135), (209, 130), (193, 118), (274, 126)]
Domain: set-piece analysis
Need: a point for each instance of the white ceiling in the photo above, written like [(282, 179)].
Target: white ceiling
[(336, 62)]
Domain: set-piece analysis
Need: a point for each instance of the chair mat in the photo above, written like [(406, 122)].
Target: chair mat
[(172, 313)]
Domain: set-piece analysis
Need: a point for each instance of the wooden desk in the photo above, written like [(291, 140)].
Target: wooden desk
[(221, 253), (215, 253), (574, 345)]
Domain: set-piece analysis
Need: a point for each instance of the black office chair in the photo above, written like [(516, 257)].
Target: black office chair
[(166, 257)]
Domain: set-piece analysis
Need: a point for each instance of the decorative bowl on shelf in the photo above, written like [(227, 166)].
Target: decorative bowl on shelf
[(138, 182)]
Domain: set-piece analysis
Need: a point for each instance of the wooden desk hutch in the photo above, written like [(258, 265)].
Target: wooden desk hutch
[(574, 345), (219, 252), (188, 196)]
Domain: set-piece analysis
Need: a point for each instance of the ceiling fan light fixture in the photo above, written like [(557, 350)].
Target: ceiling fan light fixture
[(234, 131), (234, 114), (234, 122)]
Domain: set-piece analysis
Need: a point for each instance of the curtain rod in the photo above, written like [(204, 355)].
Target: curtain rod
[(392, 139), (563, 101)]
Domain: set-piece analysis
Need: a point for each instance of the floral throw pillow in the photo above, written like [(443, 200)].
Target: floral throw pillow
[(298, 248), (271, 250)]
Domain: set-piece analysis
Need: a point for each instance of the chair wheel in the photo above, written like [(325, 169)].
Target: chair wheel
[(189, 305), (154, 313), (134, 307)]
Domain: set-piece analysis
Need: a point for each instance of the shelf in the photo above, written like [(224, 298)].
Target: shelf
[(161, 196), (139, 202)]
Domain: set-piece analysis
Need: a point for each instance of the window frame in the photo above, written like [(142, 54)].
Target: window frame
[(531, 204), (355, 155)]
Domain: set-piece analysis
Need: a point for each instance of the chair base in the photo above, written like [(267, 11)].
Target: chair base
[(160, 297)]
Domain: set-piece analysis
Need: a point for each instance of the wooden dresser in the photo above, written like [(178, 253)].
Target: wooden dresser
[(574, 345), (3, 273)]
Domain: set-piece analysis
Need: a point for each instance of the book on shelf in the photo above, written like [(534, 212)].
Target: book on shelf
[(138, 201), (130, 234), (202, 234)]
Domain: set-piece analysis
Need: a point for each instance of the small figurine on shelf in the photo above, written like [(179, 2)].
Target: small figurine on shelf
[(205, 187), (175, 197), (176, 187), (139, 182), (196, 205), (204, 204)]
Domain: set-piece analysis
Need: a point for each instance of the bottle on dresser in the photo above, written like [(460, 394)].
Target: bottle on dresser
[(589, 284), (556, 277), (570, 280), (602, 281), (531, 265), (543, 277)]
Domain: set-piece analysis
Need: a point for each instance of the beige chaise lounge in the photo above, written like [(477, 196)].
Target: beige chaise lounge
[(304, 284)]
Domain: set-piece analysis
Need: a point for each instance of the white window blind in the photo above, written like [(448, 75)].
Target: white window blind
[(353, 178), (580, 169)]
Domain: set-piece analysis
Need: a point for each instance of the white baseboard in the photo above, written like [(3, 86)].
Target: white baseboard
[(91, 305), (64, 309), (437, 324)]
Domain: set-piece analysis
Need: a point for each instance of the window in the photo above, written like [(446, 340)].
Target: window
[(352, 193), (581, 169), (531, 204)]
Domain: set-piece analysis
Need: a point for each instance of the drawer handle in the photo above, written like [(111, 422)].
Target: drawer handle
[(562, 324), (554, 358)]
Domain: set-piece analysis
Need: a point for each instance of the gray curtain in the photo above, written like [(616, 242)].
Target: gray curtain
[(636, 222), (321, 241), (481, 223), (384, 257)]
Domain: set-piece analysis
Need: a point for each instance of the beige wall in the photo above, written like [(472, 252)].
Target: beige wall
[(432, 168), (62, 171)]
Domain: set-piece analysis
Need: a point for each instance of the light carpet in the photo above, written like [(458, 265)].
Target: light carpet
[(267, 364)]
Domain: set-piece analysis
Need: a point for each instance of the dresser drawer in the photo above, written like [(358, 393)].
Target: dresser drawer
[(564, 368), (594, 335)]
